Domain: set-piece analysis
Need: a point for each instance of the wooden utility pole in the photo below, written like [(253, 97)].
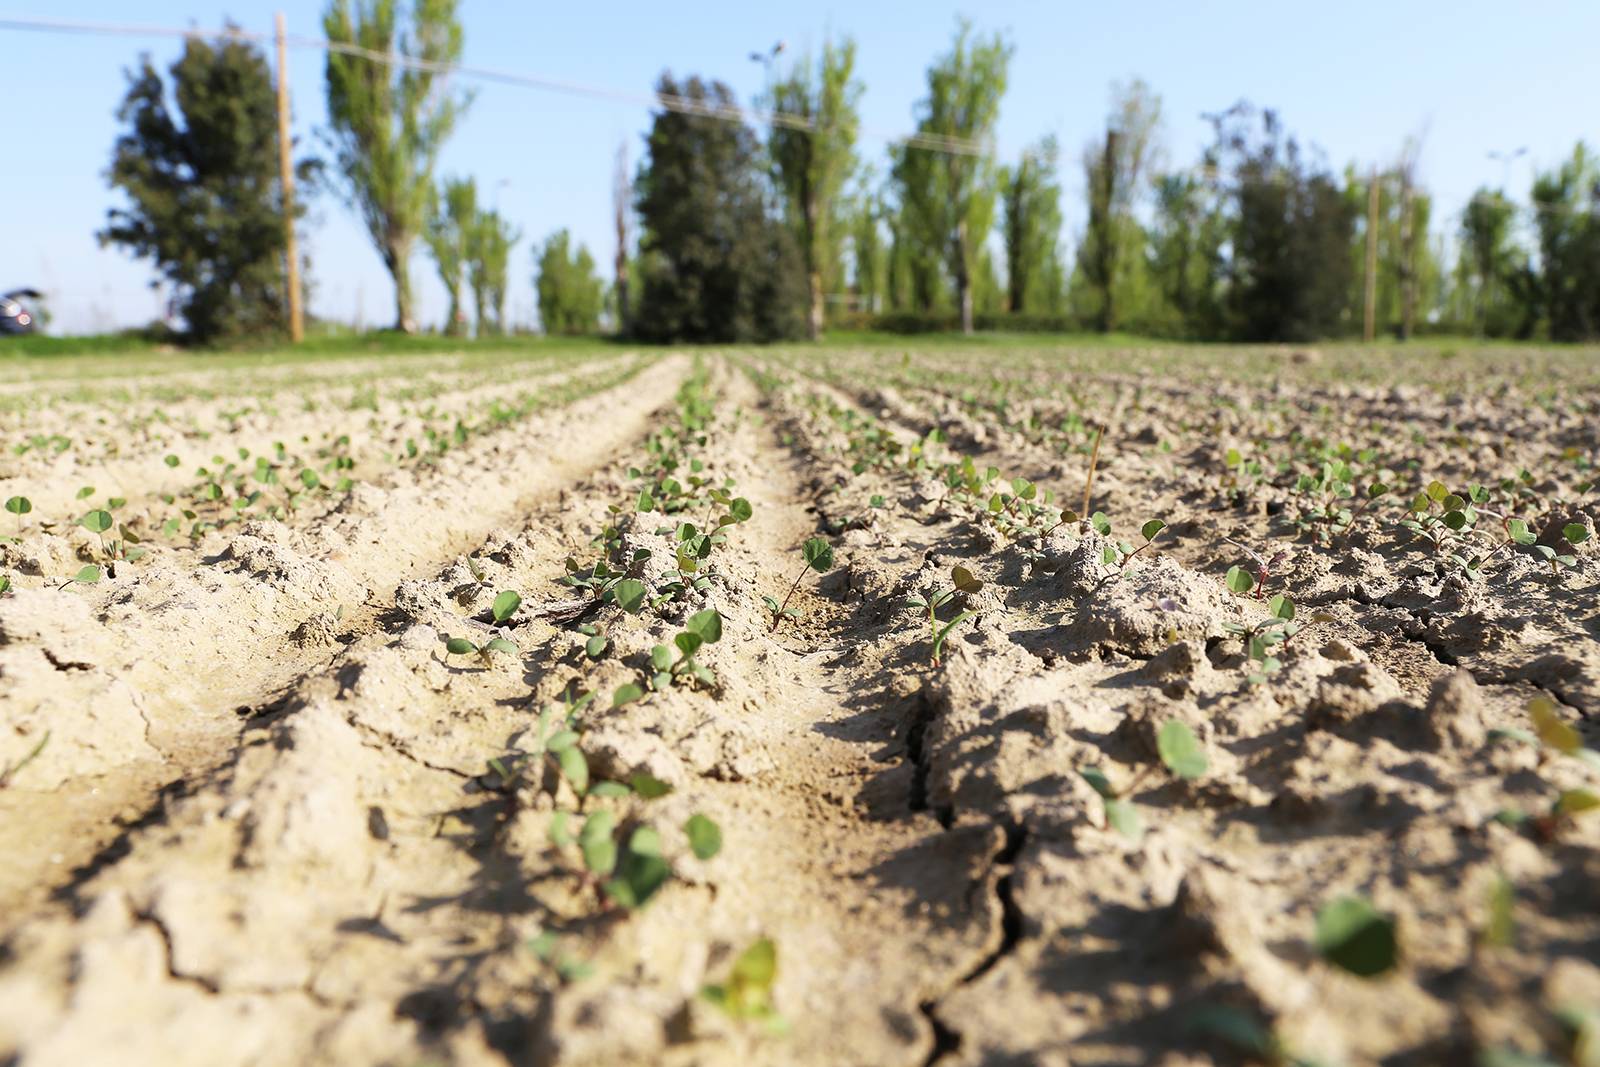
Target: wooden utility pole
[(1369, 328), (291, 255)]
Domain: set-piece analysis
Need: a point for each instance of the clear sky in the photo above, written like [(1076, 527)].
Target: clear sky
[(1354, 78)]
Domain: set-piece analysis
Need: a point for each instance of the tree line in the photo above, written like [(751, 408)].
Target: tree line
[(726, 232)]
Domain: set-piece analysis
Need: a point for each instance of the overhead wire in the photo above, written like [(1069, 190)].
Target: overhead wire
[(921, 140)]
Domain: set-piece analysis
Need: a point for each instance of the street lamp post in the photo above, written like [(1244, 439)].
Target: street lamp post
[(1506, 159)]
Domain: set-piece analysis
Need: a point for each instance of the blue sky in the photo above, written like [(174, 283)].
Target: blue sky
[(1354, 78)]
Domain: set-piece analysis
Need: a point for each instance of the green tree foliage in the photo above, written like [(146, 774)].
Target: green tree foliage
[(571, 294), (388, 122), (1114, 169), (203, 202), (868, 253), (916, 279), (1289, 271), (947, 198), (1408, 273), (1566, 205), (715, 265), (449, 237), (1491, 267), (1030, 200), (1187, 239), (489, 247), (812, 163)]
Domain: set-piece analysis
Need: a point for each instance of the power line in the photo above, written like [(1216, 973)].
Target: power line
[(928, 142)]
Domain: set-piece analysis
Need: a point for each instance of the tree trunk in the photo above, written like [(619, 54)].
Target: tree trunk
[(963, 277), (397, 258), (1108, 234), (1408, 261), (813, 267)]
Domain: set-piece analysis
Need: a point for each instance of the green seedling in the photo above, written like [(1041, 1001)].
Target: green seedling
[(8, 773), (1553, 732), (19, 506), (460, 646), (964, 584), (1575, 534), (1181, 751), (546, 947), (98, 522), (5, 584), (1241, 581), (87, 575), (596, 644), (818, 555), (1121, 815), (1356, 937), (746, 994), (1500, 927), (1119, 554), (1242, 1032), (628, 871), (505, 605), (703, 628), (1259, 639)]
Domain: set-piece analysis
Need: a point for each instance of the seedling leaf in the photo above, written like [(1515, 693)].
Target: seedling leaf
[(575, 768), (1353, 935), (707, 625), (705, 836), (506, 604), (1181, 751), (964, 580), (818, 554), (1550, 727), (630, 594)]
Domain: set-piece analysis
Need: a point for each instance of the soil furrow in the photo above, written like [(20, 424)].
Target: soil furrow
[(181, 683)]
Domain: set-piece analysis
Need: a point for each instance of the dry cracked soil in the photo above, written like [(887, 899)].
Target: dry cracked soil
[(1105, 804)]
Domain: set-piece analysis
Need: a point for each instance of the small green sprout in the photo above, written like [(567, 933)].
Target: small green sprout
[(1241, 1031), (87, 575), (1576, 534), (1241, 581), (8, 773), (746, 994), (1119, 554), (965, 583), (1356, 937), (1181, 751), (818, 555), (1500, 927), (596, 644), (546, 947), (1121, 815), (703, 628), (460, 646), (1260, 639), (506, 604), (629, 594), (19, 506), (705, 836)]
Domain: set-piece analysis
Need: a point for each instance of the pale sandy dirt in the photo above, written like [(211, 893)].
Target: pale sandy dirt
[(265, 829)]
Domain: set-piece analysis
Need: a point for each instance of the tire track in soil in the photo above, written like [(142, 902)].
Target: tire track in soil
[(192, 685)]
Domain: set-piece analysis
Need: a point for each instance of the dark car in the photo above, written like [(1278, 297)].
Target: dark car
[(14, 316)]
